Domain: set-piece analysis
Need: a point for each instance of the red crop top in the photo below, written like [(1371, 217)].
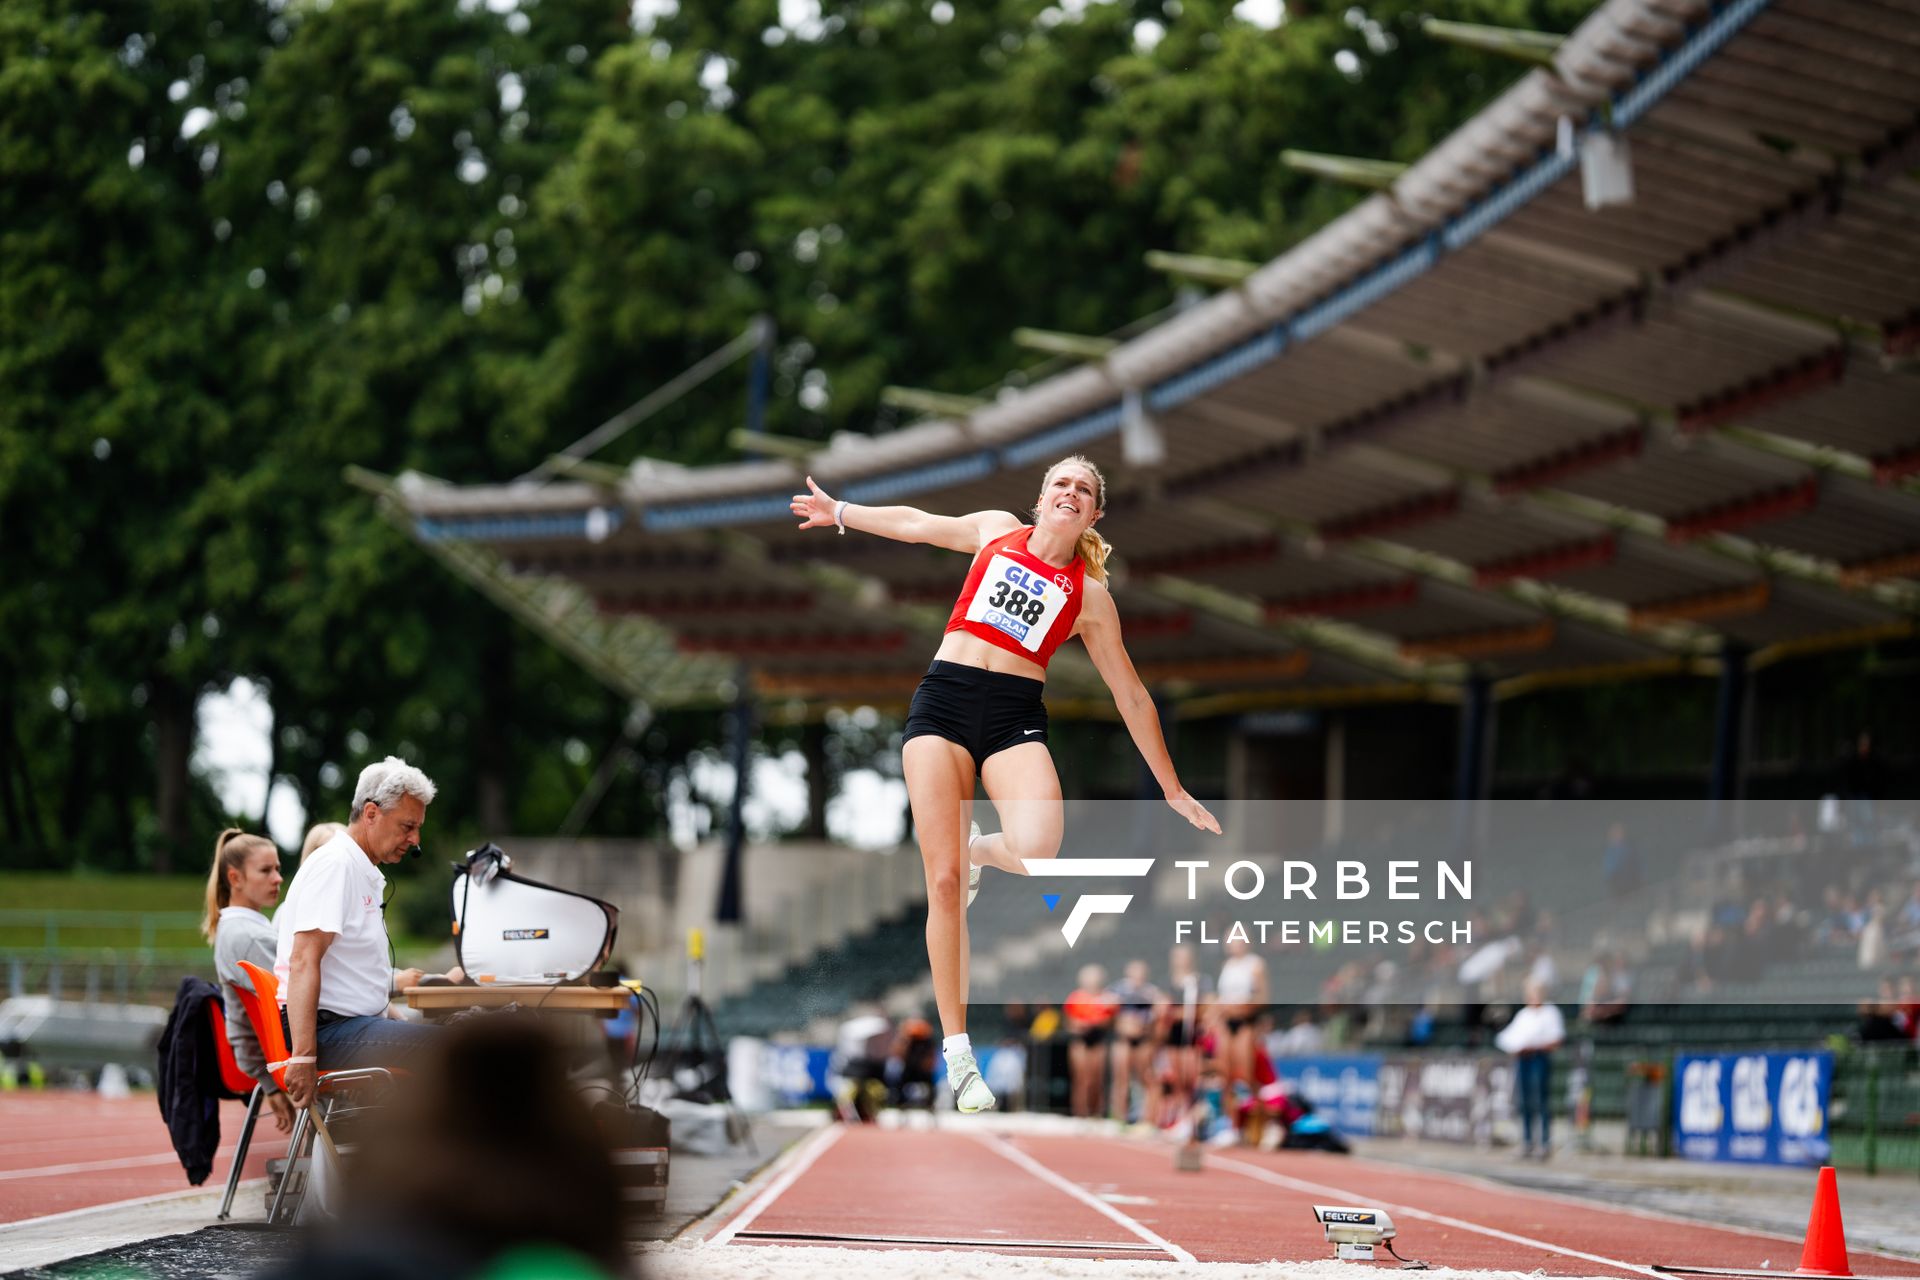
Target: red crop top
[(1017, 601)]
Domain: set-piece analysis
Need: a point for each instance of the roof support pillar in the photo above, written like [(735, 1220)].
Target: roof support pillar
[(728, 909), (1333, 816), (813, 745), (1729, 740), (1475, 756)]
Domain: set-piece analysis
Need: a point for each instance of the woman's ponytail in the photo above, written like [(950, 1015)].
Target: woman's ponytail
[(231, 849), (219, 890), (1095, 549)]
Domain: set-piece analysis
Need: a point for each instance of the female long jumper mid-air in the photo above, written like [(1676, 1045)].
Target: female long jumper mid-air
[(979, 711)]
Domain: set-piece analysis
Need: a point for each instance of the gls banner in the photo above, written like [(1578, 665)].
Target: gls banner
[(1754, 1108)]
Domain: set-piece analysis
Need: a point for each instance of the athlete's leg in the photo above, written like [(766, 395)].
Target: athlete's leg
[(1142, 1056), (1122, 1078), (1083, 1068), (940, 788), (1023, 786)]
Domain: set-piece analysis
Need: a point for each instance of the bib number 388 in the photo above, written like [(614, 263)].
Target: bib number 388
[(1016, 602)]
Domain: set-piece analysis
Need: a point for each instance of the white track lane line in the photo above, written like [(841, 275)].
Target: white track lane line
[(117, 1206), (1632, 1210), (1405, 1210), (802, 1161), (1000, 1146), (95, 1166)]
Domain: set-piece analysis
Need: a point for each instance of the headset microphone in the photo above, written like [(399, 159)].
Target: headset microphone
[(413, 851)]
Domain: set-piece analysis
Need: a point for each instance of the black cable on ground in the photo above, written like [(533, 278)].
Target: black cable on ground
[(1407, 1264)]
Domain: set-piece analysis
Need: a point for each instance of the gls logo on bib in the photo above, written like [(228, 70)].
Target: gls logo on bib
[(1017, 602)]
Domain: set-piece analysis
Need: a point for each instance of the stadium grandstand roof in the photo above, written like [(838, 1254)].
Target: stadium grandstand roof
[(1472, 427)]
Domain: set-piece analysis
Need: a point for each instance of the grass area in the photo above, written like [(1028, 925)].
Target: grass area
[(100, 891), (176, 901)]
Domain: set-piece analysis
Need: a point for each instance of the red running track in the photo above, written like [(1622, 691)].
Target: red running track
[(1102, 1197), (63, 1151)]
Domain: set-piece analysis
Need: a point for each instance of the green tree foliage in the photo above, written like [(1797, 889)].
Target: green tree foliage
[(248, 244)]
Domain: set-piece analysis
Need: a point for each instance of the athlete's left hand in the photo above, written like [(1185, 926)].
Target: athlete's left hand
[(1193, 811)]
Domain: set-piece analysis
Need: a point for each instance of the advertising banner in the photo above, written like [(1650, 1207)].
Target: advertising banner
[(1343, 1088), (1444, 1099), (795, 1074), (1754, 1108)]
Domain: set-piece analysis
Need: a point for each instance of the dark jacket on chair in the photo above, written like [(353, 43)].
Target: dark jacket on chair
[(189, 1078)]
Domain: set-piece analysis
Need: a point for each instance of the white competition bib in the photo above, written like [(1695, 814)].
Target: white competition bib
[(1017, 602)]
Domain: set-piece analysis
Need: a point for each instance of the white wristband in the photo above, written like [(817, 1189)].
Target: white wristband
[(840, 516), (287, 1062)]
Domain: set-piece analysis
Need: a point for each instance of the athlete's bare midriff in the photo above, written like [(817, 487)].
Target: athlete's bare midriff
[(971, 651)]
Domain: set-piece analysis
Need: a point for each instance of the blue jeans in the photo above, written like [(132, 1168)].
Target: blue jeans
[(373, 1042), (1532, 1085)]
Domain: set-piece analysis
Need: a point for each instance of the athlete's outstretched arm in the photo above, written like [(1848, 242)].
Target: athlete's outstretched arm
[(966, 533), (1099, 628)]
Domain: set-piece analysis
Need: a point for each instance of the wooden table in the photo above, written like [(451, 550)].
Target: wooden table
[(491, 995)]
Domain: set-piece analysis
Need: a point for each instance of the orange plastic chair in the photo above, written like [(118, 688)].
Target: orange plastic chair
[(263, 1011), (240, 1085)]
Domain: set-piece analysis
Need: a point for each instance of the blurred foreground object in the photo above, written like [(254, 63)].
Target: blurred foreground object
[(490, 1164)]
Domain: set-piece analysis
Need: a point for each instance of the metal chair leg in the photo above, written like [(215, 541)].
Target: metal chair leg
[(300, 1127), (240, 1152)]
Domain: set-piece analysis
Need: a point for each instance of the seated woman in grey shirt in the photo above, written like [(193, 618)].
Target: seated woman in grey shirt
[(245, 881)]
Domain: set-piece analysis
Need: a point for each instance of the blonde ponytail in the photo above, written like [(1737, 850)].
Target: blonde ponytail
[(231, 849), (1095, 549)]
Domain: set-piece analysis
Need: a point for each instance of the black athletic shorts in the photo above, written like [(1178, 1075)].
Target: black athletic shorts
[(983, 711), (1092, 1037)]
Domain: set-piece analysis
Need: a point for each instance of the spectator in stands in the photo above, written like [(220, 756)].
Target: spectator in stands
[(1872, 951), (1135, 1000), (1906, 1008), (1300, 1040), (1606, 991), (1789, 925), (1751, 949), (1906, 925), (1516, 915), (1620, 864), (1535, 1032), (1089, 1013), (1541, 967), (244, 884), (1836, 927)]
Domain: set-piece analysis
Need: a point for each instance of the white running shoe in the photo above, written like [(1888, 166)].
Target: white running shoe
[(970, 1092), (973, 872)]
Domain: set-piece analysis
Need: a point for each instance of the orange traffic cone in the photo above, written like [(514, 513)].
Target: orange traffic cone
[(1825, 1252)]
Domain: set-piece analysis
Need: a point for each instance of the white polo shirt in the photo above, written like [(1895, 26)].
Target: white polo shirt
[(338, 889)]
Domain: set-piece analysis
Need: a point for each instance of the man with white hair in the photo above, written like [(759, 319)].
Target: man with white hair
[(334, 962)]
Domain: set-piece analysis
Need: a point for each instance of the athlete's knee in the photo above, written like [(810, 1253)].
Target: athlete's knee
[(1025, 842), (944, 891)]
